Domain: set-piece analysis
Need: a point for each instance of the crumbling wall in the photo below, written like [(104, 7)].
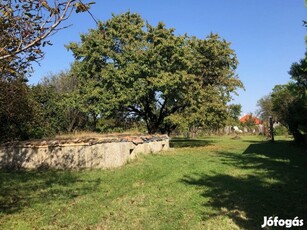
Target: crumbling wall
[(100, 153)]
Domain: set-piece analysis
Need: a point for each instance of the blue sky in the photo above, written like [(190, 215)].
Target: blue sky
[(267, 35)]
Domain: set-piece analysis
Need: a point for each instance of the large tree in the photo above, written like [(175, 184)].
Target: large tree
[(129, 67), (25, 26)]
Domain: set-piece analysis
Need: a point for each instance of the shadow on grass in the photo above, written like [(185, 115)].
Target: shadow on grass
[(183, 142), (268, 179), (22, 189)]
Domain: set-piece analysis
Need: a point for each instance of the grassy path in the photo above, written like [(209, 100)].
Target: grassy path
[(212, 183)]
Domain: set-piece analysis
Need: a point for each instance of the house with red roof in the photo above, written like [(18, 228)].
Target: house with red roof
[(248, 117)]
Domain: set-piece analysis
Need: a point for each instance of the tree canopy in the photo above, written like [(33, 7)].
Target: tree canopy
[(129, 67)]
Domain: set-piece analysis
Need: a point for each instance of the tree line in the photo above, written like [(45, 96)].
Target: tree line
[(127, 73)]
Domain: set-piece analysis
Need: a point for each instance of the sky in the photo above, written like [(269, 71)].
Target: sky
[(267, 36)]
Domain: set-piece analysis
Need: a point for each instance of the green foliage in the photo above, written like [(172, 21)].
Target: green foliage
[(57, 100), (19, 114), (51, 112), (234, 112), (153, 75), (288, 103), (298, 74), (265, 108), (290, 109), (280, 130)]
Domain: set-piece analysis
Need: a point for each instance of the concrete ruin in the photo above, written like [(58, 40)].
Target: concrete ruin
[(79, 153)]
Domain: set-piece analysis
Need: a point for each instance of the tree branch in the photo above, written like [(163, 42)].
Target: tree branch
[(52, 29)]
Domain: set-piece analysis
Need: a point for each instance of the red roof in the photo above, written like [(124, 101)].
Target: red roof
[(248, 116)]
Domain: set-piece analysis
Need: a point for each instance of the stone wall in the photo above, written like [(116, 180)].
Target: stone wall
[(102, 153)]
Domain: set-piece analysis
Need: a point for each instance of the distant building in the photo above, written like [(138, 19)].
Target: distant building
[(248, 117)]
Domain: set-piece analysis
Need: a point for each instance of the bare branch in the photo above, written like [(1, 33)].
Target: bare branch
[(95, 20)]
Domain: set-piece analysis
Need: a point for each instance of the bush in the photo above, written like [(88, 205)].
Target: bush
[(280, 131)]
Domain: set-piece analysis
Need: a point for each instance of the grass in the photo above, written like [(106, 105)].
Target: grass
[(210, 183)]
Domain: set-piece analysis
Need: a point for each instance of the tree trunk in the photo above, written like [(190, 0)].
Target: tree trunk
[(152, 127)]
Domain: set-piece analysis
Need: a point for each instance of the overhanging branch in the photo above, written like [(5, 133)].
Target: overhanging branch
[(53, 29)]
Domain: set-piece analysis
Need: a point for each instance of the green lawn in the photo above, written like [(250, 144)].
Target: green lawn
[(210, 183)]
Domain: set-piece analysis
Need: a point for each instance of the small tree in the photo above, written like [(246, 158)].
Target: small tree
[(57, 99), (265, 107)]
